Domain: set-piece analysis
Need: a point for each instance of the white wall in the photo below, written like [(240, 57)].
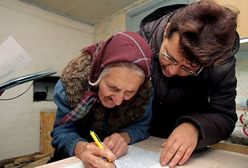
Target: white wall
[(52, 41)]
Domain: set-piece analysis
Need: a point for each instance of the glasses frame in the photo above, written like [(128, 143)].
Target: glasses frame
[(173, 61)]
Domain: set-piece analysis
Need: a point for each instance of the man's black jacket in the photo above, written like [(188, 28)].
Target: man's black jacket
[(207, 101)]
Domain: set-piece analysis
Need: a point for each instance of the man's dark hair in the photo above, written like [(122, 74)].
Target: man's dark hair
[(207, 32)]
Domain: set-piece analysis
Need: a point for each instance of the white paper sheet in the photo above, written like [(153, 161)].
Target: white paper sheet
[(78, 164), (139, 158), (135, 158), (12, 57)]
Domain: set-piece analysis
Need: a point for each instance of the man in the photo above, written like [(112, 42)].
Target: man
[(193, 76)]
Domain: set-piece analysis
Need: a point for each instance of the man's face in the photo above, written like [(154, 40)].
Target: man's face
[(172, 62)]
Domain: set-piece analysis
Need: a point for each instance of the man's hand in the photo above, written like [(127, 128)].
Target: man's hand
[(179, 146), (92, 156), (118, 143)]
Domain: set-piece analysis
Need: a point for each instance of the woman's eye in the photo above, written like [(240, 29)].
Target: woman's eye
[(114, 89), (129, 93)]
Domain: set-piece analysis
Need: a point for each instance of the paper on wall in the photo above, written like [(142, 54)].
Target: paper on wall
[(12, 57)]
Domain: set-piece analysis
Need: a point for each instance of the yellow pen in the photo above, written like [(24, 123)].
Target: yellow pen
[(97, 141)]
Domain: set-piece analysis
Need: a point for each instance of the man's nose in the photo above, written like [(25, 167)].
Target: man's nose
[(174, 69)]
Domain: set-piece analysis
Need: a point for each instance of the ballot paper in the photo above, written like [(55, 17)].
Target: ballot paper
[(137, 157)]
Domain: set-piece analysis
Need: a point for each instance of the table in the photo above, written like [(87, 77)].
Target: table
[(211, 158)]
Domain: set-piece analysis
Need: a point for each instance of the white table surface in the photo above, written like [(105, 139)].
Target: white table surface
[(211, 158)]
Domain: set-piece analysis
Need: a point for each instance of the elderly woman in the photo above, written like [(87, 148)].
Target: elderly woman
[(106, 90)]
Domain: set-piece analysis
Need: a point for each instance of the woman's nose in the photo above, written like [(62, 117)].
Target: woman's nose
[(118, 99)]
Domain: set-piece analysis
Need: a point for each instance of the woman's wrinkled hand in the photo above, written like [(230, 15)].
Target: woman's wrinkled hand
[(93, 157), (177, 149), (117, 143)]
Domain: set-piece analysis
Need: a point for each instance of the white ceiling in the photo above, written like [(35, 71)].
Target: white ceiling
[(85, 11)]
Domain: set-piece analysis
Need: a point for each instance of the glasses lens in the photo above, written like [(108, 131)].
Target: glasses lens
[(168, 58)]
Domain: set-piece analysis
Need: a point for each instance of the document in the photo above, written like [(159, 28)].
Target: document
[(137, 157)]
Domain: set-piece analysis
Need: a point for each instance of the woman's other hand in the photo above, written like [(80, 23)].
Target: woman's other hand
[(118, 143), (93, 157)]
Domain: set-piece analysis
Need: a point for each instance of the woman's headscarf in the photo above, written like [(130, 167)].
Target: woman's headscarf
[(121, 47)]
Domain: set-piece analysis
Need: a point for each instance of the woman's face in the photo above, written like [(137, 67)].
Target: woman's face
[(119, 84)]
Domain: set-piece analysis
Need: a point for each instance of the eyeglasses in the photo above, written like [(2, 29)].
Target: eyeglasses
[(173, 61)]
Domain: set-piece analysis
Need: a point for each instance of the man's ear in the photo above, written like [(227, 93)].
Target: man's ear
[(166, 28)]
